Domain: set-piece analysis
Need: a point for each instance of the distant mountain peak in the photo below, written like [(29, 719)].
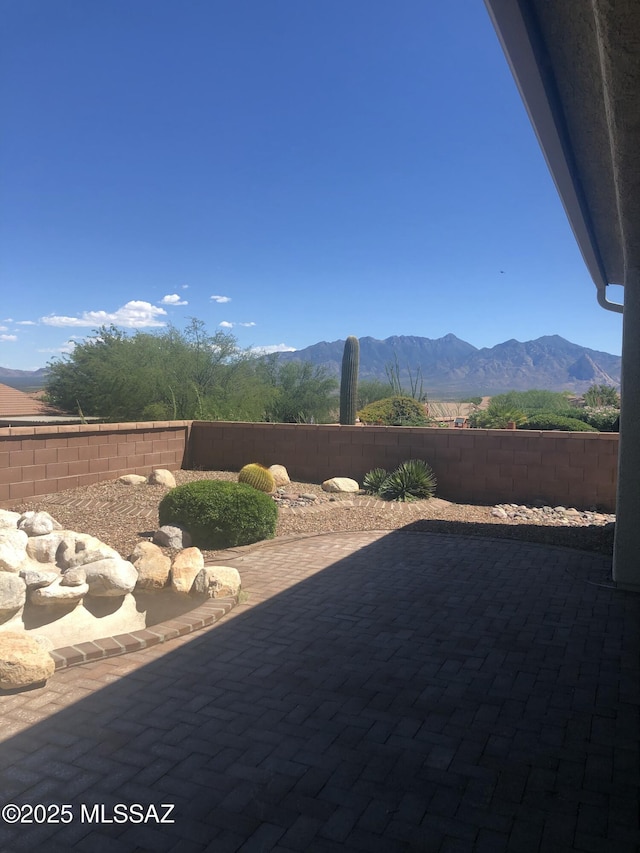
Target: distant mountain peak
[(451, 367)]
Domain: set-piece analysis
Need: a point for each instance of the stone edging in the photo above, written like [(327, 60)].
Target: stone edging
[(203, 616)]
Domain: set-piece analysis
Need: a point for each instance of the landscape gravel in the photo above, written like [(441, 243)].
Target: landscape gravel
[(121, 515)]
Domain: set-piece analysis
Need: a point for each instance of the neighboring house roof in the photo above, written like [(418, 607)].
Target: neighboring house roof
[(576, 65), (17, 403)]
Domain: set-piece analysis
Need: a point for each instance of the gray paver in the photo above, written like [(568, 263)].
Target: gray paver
[(376, 691)]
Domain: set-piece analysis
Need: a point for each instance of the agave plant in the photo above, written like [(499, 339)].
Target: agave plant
[(411, 480), (372, 482)]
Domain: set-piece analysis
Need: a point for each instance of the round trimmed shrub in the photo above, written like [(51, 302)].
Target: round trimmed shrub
[(220, 514), (549, 420)]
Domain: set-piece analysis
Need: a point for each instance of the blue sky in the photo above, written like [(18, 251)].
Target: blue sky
[(288, 170)]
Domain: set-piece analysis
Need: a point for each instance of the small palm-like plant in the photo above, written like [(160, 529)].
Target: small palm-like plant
[(411, 480), (372, 482)]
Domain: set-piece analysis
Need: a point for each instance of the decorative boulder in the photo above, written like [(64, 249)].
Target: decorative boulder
[(340, 484), (23, 661), (217, 582), (9, 519), (169, 536), (152, 565), (110, 578), (13, 593), (13, 549), (78, 549), (185, 568), (132, 479), (36, 578), (74, 577), (43, 549), (37, 523), (162, 477), (280, 475), (58, 593)]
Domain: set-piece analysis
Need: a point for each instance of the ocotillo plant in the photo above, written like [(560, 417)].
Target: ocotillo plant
[(349, 380)]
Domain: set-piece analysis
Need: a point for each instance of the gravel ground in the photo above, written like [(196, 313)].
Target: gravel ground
[(121, 515)]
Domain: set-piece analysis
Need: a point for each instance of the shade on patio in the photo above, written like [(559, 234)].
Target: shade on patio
[(577, 65)]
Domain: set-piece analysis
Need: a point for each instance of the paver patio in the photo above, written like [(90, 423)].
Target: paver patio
[(375, 692)]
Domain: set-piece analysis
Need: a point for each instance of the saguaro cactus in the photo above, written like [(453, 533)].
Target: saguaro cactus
[(349, 380)]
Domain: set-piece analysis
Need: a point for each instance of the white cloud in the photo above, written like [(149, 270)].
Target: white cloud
[(65, 348), (8, 337), (221, 299), (26, 323), (134, 315), (173, 299), (228, 325), (266, 350), (4, 328)]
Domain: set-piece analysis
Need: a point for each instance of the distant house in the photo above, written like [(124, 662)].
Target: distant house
[(20, 409)]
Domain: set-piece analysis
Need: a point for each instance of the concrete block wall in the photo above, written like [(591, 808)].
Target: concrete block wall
[(41, 460), (473, 466)]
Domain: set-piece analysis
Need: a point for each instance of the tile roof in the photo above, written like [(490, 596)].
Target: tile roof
[(15, 403)]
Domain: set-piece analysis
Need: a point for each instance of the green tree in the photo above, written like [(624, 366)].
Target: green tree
[(370, 390), (304, 393), (172, 374), (599, 396)]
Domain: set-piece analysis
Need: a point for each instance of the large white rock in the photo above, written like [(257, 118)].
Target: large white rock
[(340, 484), (9, 519), (152, 565), (13, 593), (217, 582), (36, 578), (43, 549), (110, 578), (74, 577), (169, 536), (186, 566), (132, 479), (58, 593), (13, 549), (280, 475), (37, 523), (23, 661), (82, 549), (162, 477)]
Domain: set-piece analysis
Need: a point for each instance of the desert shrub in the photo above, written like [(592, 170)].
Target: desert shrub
[(534, 400), (258, 476), (220, 514), (412, 479), (599, 396), (497, 416), (603, 419), (373, 480), (394, 411), (549, 420)]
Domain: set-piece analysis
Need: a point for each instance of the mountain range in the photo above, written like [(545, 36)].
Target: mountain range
[(451, 368), (23, 379)]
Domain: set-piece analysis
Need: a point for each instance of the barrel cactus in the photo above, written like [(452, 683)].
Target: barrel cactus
[(349, 380), (258, 476)]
